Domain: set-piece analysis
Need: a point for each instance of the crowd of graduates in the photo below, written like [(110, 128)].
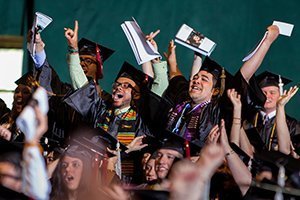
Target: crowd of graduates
[(156, 135)]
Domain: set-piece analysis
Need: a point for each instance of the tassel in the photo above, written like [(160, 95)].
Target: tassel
[(223, 78), (280, 85), (118, 166), (187, 149), (99, 74)]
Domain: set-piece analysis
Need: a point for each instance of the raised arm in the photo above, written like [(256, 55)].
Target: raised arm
[(39, 57), (235, 99), (251, 66), (283, 133), (34, 124), (76, 72), (172, 61), (197, 63), (239, 170), (157, 69)]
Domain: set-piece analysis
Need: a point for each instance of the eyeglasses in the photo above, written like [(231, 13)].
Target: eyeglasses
[(124, 85), (87, 61)]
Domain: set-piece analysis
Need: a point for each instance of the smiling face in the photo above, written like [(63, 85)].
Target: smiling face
[(150, 170), (71, 171), (201, 87), (164, 161), (21, 97), (272, 95), (122, 92), (89, 65)]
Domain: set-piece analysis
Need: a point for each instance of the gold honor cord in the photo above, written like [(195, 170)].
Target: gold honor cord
[(272, 132)]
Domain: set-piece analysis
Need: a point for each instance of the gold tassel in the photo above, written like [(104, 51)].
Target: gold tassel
[(223, 78)]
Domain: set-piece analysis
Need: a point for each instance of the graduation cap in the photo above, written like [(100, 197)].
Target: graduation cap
[(29, 80), (101, 53), (6, 193), (175, 142), (270, 79), (141, 79), (7, 146), (222, 76), (98, 140), (139, 194), (78, 151), (268, 189), (272, 159)]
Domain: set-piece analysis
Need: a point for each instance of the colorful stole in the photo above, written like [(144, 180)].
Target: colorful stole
[(127, 127), (192, 125)]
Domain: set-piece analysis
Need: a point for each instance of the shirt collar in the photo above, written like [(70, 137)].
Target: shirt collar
[(270, 115), (121, 111)]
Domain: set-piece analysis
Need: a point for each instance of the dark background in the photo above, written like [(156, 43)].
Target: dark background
[(235, 25)]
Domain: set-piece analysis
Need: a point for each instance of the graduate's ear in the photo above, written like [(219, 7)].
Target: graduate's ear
[(216, 91), (136, 95)]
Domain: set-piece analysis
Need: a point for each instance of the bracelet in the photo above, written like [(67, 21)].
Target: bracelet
[(229, 153), (72, 50), (237, 123), (34, 144), (238, 118)]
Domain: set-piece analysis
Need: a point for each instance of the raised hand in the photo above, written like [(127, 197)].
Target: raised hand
[(234, 97), (213, 135), (38, 40), (151, 37), (72, 36), (223, 137), (5, 133), (136, 144), (287, 95), (273, 32), (171, 55)]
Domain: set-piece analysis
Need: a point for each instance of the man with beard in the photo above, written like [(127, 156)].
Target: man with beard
[(121, 116)]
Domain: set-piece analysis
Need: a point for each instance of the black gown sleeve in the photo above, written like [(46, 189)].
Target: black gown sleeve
[(87, 102)]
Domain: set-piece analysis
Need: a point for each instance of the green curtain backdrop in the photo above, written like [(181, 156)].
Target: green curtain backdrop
[(235, 25)]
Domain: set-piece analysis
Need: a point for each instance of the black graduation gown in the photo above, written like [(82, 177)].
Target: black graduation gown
[(268, 132), (219, 107), (61, 118)]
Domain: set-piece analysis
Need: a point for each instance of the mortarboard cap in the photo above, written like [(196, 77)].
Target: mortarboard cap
[(270, 79), (7, 146), (6, 193), (271, 159), (140, 194), (222, 76), (101, 53), (175, 142), (267, 190), (140, 78), (153, 145), (28, 80), (98, 140), (78, 151)]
